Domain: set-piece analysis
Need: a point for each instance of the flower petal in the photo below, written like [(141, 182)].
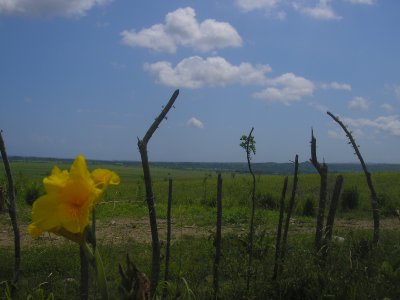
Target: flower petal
[(73, 219), (79, 169), (44, 215), (104, 176), (56, 181)]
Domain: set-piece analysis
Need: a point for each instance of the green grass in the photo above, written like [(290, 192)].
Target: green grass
[(351, 271)]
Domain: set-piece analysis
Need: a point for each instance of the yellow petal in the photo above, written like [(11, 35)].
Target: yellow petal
[(56, 181), (79, 169), (104, 176), (74, 219), (44, 213)]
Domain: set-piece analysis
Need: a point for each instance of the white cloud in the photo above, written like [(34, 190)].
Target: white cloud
[(336, 86), (390, 124), (387, 107), (249, 5), (397, 91), (358, 103), (367, 2), (195, 123), (286, 88), (48, 8), (196, 72), (280, 15), (322, 11), (181, 28)]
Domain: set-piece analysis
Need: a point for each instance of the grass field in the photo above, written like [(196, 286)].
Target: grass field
[(353, 269)]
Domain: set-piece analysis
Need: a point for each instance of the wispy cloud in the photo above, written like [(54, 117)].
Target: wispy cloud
[(319, 107), (358, 103), (336, 86), (387, 107), (365, 2), (181, 28), (397, 92), (48, 8), (249, 5), (390, 124), (322, 11), (336, 134), (195, 123), (196, 72), (286, 89)]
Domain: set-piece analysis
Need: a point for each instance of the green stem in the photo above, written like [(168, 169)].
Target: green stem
[(97, 264)]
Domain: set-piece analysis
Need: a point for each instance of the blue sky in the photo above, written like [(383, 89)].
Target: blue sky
[(90, 76)]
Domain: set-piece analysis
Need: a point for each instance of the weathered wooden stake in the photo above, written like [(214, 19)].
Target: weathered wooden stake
[(218, 237), (142, 145), (289, 214), (332, 209), (279, 230), (253, 208), (323, 174), (168, 246), (13, 215)]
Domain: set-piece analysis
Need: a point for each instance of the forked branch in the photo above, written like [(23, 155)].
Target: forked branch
[(142, 144), (323, 173)]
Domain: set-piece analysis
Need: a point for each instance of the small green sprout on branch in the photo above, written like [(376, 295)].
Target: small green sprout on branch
[(249, 145)]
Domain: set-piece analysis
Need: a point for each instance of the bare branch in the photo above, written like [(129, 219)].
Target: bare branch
[(323, 173), (374, 197), (161, 116), (13, 214), (142, 145)]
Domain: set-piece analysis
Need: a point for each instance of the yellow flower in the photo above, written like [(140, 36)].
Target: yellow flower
[(70, 197)]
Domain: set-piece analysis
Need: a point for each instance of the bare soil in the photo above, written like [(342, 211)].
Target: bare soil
[(120, 230)]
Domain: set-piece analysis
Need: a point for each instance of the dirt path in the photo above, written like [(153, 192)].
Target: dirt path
[(120, 230)]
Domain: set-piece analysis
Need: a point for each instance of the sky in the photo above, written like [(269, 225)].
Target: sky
[(90, 76)]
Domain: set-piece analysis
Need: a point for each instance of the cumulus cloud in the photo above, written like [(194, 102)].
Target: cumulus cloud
[(48, 8), (366, 2), (181, 28), (358, 103), (387, 107), (322, 11), (195, 123), (249, 5), (390, 124), (286, 88), (196, 72), (336, 86)]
